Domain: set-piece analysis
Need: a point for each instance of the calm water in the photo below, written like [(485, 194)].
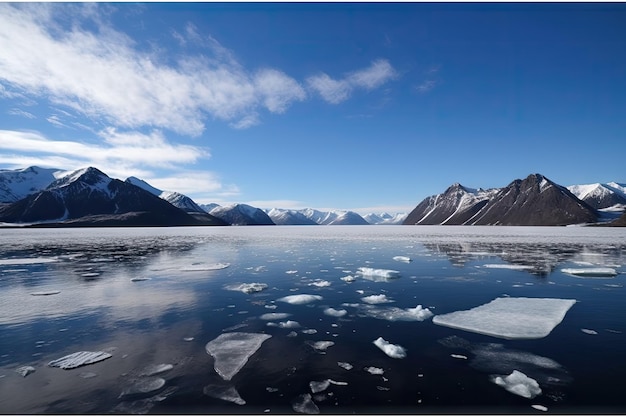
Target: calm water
[(182, 302)]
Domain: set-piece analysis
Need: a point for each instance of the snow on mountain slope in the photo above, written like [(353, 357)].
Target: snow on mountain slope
[(241, 214), (289, 217), (601, 196), (17, 184), (385, 218), (177, 199)]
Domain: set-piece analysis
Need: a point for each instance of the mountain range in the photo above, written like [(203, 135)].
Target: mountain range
[(88, 197)]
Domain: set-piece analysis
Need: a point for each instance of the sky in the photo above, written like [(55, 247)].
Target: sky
[(368, 107)]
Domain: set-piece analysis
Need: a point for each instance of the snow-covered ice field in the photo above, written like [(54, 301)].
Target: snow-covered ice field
[(313, 319)]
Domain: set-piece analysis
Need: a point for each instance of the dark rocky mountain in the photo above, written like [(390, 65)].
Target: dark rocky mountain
[(621, 221), (241, 214), (534, 201), (89, 197)]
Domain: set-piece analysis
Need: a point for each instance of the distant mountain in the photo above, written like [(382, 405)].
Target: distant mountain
[(385, 218), (176, 199), (333, 217), (17, 184), (348, 218), (241, 214), (621, 221), (208, 207), (534, 201), (89, 197), (601, 196), (289, 217)]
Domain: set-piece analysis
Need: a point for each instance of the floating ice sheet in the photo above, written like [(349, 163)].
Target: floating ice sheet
[(300, 298), (274, 316), (320, 283), (205, 267), (377, 299), (232, 350), (518, 384), (508, 266), (510, 318), (224, 392), (405, 259), (348, 278), (304, 404), (322, 345), (391, 350), (77, 359), (319, 386), (590, 272), (396, 314), (374, 371), (374, 274), (335, 313), (27, 261), (247, 288)]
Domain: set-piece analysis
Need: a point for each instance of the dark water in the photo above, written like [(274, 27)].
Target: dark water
[(183, 304)]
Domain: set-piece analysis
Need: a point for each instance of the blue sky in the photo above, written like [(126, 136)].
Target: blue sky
[(359, 106)]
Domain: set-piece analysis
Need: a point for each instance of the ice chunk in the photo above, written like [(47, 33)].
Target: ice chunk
[(335, 313), (590, 272), (157, 369), (304, 404), (27, 261), (247, 288), (309, 331), (518, 384), (300, 299), (321, 345), (291, 272), (373, 274), (510, 318), (508, 266), (319, 386), (396, 314), (143, 386), (320, 283), (345, 365), (289, 324), (391, 350), (588, 331), (376, 299), (25, 370), (374, 371), (224, 392), (274, 316), (77, 359), (232, 350), (402, 259), (539, 407), (205, 267), (45, 292), (457, 356), (348, 278)]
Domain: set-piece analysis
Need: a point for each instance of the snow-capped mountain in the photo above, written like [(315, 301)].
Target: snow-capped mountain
[(601, 196), (241, 214), (285, 217), (89, 197), (17, 184), (177, 199), (333, 217), (534, 201), (385, 218)]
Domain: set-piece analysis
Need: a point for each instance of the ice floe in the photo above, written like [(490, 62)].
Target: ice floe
[(157, 369), (232, 350), (377, 299), (289, 324), (405, 259), (345, 365), (320, 283), (335, 313), (457, 356), (27, 261), (374, 370), (391, 350), (518, 384), (374, 274), (25, 370), (205, 267), (588, 331), (304, 404), (274, 316), (247, 288), (224, 392), (319, 386), (395, 314), (300, 299), (309, 331), (348, 278), (77, 359), (54, 292), (143, 386), (510, 318), (539, 407), (508, 266), (321, 346), (590, 272)]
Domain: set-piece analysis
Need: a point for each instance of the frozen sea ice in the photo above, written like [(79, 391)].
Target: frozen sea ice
[(391, 350), (232, 350), (519, 384), (510, 318), (374, 274), (77, 359), (300, 299)]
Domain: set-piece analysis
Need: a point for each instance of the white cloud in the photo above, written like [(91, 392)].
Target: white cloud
[(426, 86), (336, 91), (20, 112), (277, 90)]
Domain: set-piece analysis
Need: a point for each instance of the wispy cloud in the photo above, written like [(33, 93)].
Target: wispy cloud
[(90, 67), (335, 91), (22, 113), (432, 80)]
